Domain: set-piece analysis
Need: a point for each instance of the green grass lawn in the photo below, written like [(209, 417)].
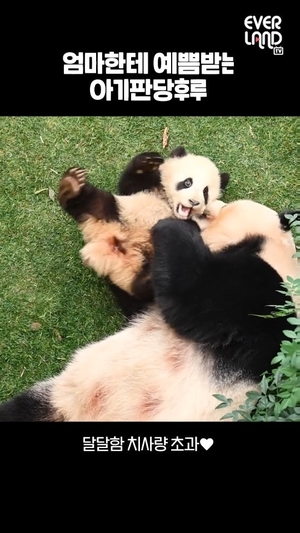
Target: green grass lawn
[(50, 303)]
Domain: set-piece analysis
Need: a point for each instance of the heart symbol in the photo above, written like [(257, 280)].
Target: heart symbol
[(206, 443), (256, 39)]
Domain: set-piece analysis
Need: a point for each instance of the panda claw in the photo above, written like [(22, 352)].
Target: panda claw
[(148, 164), (76, 173), (71, 183)]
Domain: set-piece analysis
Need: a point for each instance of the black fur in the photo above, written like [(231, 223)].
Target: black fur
[(182, 184), (89, 200), (142, 285), (142, 289), (141, 174), (129, 305), (205, 194), (213, 298), (180, 151), (224, 180), (28, 406)]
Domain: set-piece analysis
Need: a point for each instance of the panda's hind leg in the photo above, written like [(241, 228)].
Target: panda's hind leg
[(81, 200), (141, 174)]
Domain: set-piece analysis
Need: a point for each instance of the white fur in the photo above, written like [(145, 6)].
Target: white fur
[(143, 209), (141, 373), (203, 172), (230, 223)]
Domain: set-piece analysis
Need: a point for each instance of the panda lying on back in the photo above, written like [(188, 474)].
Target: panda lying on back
[(204, 334), (117, 228)]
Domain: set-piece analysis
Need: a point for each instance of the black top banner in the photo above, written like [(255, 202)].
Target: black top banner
[(218, 63)]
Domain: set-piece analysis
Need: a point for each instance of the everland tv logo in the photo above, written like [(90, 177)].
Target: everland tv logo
[(264, 32)]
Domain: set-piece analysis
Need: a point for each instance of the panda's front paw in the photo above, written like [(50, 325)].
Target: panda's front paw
[(71, 183), (146, 162)]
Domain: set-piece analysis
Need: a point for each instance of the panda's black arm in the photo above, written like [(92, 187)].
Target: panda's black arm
[(218, 299), (80, 199), (181, 268), (201, 294), (141, 174)]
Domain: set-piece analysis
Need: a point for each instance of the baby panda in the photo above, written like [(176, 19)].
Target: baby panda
[(205, 334), (117, 227)]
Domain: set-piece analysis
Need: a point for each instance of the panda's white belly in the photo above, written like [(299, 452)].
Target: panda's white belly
[(143, 373), (143, 209)]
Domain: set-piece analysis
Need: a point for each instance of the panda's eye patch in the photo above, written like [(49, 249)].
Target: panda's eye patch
[(188, 182), (205, 194), (184, 184)]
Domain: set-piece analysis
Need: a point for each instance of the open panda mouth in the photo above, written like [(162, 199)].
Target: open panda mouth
[(183, 212)]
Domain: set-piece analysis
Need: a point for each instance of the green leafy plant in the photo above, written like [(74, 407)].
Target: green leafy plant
[(278, 397)]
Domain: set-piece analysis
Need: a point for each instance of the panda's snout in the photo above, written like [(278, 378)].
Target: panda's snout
[(194, 203)]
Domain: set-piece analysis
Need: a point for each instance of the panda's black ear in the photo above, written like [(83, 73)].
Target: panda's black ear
[(224, 180), (180, 151), (286, 223)]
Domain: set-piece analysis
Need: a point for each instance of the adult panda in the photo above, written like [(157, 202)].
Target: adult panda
[(204, 335), (117, 227)]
